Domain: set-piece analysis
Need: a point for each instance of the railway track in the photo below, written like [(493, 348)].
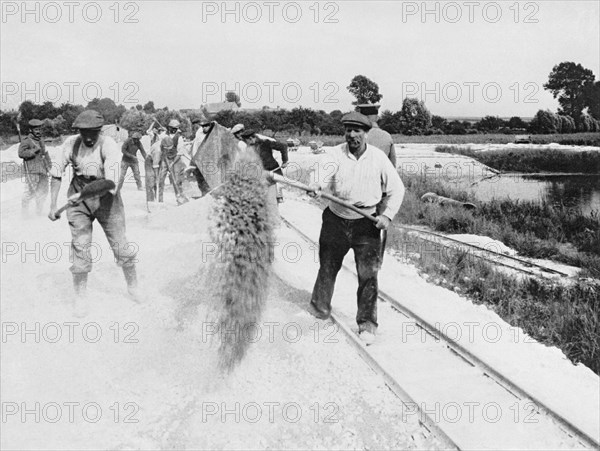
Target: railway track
[(457, 366), (488, 255)]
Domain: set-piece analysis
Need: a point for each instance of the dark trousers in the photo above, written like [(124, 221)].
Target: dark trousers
[(135, 168), (109, 212), (337, 237), (202, 183)]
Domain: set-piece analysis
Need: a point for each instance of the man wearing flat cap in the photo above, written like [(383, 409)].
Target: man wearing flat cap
[(36, 165), (359, 174), (93, 157), (378, 137), (129, 160)]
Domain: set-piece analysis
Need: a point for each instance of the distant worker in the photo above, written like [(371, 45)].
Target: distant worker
[(171, 162), (237, 130), (378, 137), (129, 160), (152, 163), (36, 167), (264, 149), (359, 174), (205, 127), (93, 157)]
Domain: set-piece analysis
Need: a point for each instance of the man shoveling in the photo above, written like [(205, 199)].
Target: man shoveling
[(92, 157)]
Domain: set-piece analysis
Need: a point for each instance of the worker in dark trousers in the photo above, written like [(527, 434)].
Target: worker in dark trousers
[(93, 157), (129, 160), (359, 174), (36, 166)]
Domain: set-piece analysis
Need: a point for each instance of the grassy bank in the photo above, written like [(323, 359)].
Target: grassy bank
[(532, 160), (572, 139), (534, 229), (565, 316)]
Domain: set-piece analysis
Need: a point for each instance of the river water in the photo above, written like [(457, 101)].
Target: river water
[(573, 191)]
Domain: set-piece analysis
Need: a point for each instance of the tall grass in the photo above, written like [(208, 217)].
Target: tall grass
[(573, 139), (566, 316), (534, 229), (532, 160)]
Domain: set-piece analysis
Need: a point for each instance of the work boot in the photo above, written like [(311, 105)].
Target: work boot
[(80, 304), (132, 284), (366, 332)]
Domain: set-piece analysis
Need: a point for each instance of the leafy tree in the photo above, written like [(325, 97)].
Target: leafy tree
[(135, 120), (568, 82), (69, 112), (545, 122), (415, 117), (149, 108), (231, 96), (107, 107), (592, 99), (489, 124), (438, 122), (567, 124), (364, 89), (456, 128), (516, 122), (390, 122)]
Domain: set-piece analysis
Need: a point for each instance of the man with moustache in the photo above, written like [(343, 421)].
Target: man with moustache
[(93, 157), (358, 173)]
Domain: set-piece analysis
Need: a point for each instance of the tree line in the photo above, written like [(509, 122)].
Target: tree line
[(575, 88)]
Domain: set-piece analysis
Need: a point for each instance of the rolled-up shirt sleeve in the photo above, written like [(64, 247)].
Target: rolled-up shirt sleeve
[(394, 188), (112, 159), (57, 168)]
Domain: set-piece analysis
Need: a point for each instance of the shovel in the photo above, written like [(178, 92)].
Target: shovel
[(302, 186), (93, 189)]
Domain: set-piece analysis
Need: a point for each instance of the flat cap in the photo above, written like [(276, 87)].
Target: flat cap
[(89, 119), (174, 123), (205, 123), (237, 128), (368, 109), (358, 119), (35, 123), (136, 135), (248, 133)]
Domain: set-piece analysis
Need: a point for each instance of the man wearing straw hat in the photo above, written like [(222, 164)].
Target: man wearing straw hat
[(359, 174)]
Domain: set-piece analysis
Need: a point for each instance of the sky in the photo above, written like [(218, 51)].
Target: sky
[(463, 58)]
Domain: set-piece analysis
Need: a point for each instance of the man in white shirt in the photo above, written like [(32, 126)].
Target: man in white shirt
[(93, 157), (359, 174)]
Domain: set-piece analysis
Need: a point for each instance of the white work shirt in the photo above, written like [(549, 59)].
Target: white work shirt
[(360, 182), (103, 160)]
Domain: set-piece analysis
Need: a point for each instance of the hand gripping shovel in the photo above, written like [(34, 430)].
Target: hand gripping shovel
[(96, 188), (280, 179)]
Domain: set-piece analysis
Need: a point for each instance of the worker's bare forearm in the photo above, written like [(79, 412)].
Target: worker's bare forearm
[(54, 190)]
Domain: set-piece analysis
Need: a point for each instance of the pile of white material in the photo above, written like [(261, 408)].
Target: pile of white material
[(512, 146), (485, 242)]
